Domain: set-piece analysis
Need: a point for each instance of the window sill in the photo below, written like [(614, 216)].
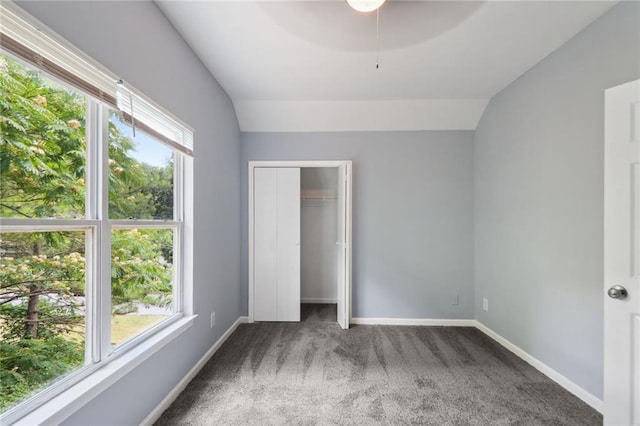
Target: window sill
[(68, 402)]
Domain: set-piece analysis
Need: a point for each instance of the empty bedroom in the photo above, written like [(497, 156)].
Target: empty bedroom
[(319, 212)]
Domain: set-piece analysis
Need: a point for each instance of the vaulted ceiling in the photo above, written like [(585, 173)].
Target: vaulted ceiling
[(311, 65)]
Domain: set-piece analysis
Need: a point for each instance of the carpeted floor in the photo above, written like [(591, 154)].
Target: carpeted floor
[(313, 372)]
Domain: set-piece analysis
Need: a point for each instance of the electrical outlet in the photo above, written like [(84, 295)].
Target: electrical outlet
[(485, 304), (213, 319), (455, 300)]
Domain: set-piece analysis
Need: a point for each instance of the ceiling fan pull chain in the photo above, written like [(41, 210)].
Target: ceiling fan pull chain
[(377, 38)]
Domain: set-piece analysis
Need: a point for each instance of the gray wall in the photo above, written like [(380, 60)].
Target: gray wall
[(412, 215), (539, 199), (135, 40)]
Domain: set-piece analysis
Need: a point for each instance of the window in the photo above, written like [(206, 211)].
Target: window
[(93, 204), (144, 233)]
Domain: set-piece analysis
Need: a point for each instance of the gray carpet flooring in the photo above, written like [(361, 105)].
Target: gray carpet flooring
[(313, 372)]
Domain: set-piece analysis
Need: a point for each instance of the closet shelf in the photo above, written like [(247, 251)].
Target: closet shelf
[(320, 198), (311, 194)]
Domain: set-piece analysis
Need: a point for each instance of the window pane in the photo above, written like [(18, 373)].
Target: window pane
[(141, 280), (42, 310), (42, 145), (140, 175)]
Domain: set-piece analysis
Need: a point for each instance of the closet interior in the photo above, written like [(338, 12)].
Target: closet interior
[(318, 237)]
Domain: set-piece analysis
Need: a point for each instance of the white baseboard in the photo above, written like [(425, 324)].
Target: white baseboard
[(168, 400), (595, 402), (318, 300), (415, 321)]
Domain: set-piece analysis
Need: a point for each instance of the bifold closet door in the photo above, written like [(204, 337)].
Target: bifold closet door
[(276, 244), (342, 246)]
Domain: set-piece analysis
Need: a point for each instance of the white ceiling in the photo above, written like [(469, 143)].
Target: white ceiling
[(311, 65)]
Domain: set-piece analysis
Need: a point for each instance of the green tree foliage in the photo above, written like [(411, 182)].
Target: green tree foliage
[(141, 271), (42, 146), (159, 188), (44, 268), (128, 194), (29, 365), (42, 274)]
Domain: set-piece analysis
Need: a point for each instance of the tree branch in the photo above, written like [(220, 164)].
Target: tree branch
[(15, 210)]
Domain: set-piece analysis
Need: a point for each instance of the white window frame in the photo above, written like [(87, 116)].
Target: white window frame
[(69, 393)]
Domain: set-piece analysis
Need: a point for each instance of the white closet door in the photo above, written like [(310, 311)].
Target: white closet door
[(265, 244), (277, 244), (288, 291), (342, 249)]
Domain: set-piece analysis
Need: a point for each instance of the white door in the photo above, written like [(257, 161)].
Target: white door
[(343, 246), (276, 244), (288, 297), (265, 243), (622, 255)]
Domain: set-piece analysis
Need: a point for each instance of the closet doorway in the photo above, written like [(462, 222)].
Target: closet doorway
[(299, 238)]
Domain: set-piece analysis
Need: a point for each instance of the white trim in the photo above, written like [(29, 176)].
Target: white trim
[(595, 402), (61, 407), (415, 321), (322, 300), (46, 225), (155, 414), (147, 224), (187, 234), (301, 163), (347, 116), (348, 205), (250, 194), (250, 190), (102, 285)]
